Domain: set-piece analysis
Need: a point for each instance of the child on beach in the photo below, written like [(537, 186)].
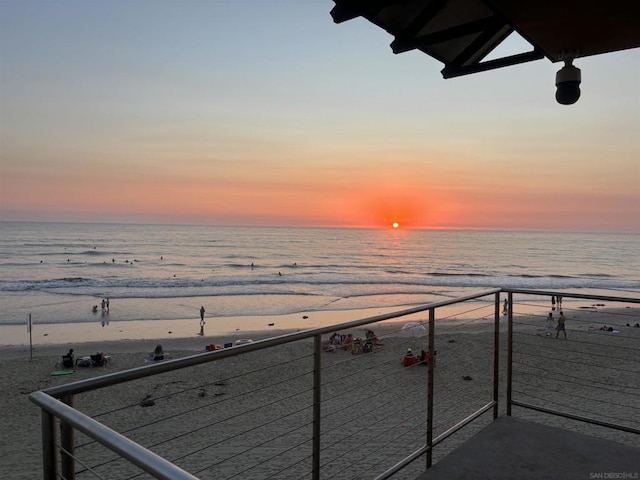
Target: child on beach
[(560, 327), (548, 325)]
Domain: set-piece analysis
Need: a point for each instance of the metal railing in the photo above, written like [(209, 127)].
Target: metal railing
[(318, 369), (540, 376)]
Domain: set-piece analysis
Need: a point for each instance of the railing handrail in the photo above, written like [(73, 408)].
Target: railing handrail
[(205, 357), (136, 454), (585, 296), (580, 418)]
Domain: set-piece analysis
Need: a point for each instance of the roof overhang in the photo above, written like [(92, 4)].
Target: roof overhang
[(462, 33)]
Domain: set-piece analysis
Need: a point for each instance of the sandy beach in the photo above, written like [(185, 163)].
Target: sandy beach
[(463, 384)]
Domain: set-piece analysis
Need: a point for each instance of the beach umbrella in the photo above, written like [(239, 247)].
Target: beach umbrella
[(415, 329)]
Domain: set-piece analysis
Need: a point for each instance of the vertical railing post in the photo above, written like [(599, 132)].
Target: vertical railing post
[(496, 354), (509, 352), (66, 441), (432, 360), (49, 463), (317, 387)]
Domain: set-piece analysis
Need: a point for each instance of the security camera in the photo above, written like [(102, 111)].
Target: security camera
[(568, 84)]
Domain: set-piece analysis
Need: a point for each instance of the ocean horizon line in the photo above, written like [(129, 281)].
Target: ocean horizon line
[(332, 227)]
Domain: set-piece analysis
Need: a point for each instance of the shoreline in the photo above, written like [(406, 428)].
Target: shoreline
[(56, 336), (54, 340), (216, 328)]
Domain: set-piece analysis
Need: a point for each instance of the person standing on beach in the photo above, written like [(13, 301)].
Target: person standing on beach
[(548, 325), (553, 302), (505, 307), (560, 327), (202, 320)]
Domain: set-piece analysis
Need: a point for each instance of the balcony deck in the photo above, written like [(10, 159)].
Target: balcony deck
[(512, 448)]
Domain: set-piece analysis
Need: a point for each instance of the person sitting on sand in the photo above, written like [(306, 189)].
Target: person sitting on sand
[(332, 343), (67, 360), (424, 357), (367, 346), (356, 346), (158, 353), (98, 360), (346, 345), (606, 329), (409, 358), (372, 337)]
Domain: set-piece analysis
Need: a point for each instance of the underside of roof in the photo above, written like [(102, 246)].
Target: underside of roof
[(462, 33)]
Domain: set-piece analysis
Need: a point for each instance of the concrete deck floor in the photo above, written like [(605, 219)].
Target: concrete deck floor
[(511, 448)]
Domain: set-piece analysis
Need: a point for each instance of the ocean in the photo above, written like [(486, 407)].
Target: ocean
[(57, 272)]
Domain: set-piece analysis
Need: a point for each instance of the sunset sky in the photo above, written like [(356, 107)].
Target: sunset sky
[(265, 112)]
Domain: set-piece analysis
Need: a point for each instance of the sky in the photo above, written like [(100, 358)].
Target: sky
[(266, 112)]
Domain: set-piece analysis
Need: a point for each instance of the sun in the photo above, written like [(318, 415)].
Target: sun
[(395, 225)]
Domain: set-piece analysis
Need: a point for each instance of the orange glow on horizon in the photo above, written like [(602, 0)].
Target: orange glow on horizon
[(397, 206)]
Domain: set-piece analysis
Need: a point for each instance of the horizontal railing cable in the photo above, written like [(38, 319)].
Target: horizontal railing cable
[(226, 419), (575, 341), (608, 401), (571, 407), (87, 468), (568, 360), (258, 445), (202, 427), (405, 410), (209, 384), (240, 434), (568, 378), (225, 400)]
